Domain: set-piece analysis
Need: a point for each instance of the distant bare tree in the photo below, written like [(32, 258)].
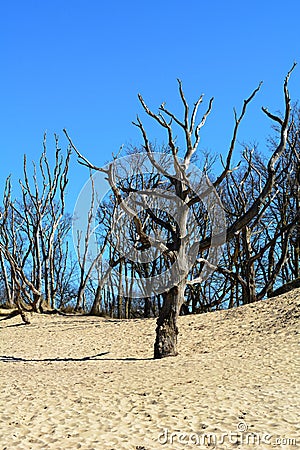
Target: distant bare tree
[(31, 230), (255, 257)]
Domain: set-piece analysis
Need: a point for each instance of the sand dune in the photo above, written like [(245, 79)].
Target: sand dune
[(91, 383)]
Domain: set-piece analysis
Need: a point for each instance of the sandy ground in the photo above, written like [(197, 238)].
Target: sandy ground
[(91, 383)]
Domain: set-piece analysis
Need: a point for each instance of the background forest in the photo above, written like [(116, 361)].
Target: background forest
[(42, 269)]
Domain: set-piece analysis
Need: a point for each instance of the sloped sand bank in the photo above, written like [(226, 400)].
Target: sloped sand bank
[(91, 383)]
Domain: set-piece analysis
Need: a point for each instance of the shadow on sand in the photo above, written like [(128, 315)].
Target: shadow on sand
[(4, 358)]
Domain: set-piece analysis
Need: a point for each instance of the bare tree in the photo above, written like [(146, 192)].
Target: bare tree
[(32, 228), (254, 258), (178, 181)]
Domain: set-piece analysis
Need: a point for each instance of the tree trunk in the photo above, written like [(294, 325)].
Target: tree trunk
[(297, 243), (37, 303), (166, 330), (249, 293), (147, 307), (95, 310), (79, 302), (8, 288), (294, 284), (120, 293)]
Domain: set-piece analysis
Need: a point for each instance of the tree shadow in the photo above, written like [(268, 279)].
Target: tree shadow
[(5, 358), (127, 359)]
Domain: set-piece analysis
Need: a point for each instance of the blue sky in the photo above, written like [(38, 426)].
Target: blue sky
[(80, 64)]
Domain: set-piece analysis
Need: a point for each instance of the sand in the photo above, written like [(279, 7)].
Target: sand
[(91, 383)]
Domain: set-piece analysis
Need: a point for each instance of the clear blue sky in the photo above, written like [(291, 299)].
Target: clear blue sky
[(80, 64)]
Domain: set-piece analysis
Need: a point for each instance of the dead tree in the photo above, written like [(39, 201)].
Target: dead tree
[(178, 181), (253, 259), (93, 274), (30, 228)]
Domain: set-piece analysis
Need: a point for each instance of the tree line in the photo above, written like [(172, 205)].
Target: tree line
[(259, 235)]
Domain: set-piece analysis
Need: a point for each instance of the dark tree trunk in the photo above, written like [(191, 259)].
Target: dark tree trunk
[(147, 307), (8, 288), (294, 284), (249, 293), (120, 293), (166, 330), (297, 243), (95, 310), (37, 303), (79, 302)]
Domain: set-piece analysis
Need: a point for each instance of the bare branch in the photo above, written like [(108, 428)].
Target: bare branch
[(82, 159), (234, 137)]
